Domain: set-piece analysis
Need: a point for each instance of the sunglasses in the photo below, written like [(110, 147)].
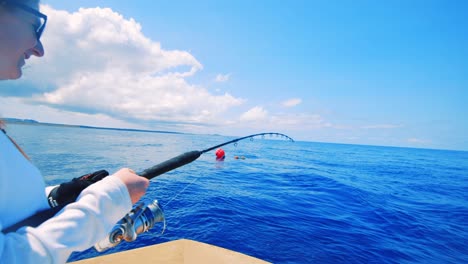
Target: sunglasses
[(42, 19)]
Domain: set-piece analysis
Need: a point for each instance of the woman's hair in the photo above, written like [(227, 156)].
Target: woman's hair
[(2, 130)]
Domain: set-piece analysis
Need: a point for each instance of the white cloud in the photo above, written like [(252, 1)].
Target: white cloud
[(18, 108), (291, 102), (97, 61), (382, 126), (417, 141), (101, 70), (223, 77), (299, 122), (256, 113), (260, 119)]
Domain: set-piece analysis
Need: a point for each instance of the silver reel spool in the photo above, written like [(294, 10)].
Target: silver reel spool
[(139, 220)]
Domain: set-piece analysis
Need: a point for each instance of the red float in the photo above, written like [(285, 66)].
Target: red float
[(220, 154)]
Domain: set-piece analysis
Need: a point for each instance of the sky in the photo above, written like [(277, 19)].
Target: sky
[(389, 73)]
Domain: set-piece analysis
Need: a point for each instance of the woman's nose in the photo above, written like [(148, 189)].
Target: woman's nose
[(38, 50)]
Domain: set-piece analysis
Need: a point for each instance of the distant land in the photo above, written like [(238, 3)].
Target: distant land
[(34, 122)]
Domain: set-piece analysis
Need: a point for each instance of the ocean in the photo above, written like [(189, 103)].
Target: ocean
[(286, 202)]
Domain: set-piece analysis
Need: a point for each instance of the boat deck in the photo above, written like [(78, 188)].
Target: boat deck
[(179, 251)]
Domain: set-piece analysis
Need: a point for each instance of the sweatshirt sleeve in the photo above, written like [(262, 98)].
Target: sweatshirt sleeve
[(76, 227)]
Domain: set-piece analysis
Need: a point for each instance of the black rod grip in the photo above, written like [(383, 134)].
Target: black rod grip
[(170, 164)]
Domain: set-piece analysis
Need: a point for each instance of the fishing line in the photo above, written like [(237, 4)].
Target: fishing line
[(194, 180)]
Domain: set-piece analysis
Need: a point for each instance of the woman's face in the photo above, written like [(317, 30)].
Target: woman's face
[(18, 41)]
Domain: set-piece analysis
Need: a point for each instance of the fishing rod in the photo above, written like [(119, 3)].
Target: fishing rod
[(191, 156), (142, 217)]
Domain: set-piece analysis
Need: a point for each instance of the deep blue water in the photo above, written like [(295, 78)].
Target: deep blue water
[(300, 202)]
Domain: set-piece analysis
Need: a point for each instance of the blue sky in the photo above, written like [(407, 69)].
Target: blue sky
[(388, 73)]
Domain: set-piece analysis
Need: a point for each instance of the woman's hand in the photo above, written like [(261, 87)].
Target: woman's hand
[(136, 185)]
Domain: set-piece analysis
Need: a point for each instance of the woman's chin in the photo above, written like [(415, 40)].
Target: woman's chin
[(16, 74)]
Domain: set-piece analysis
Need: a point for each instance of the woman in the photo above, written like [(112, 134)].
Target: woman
[(82, 223)]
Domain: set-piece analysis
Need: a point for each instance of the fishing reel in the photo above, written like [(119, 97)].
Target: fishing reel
[(139, 220)]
